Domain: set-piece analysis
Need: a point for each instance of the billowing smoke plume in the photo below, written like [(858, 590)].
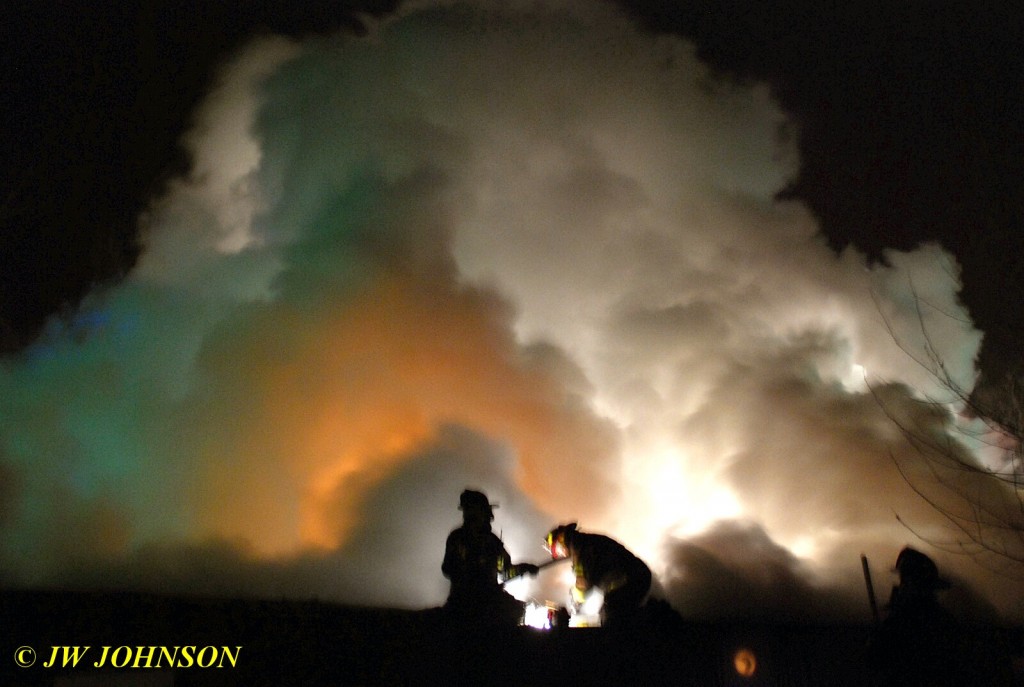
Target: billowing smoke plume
[(528, 249)]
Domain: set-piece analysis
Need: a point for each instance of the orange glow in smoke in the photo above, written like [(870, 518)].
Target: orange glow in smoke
[(349, 396), (319, 528)]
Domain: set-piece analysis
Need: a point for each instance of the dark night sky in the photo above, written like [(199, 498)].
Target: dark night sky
[(96, 98), (911, 120), (909, 116)]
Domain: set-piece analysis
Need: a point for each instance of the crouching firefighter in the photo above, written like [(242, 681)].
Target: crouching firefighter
[(477, 564), (601, 562)]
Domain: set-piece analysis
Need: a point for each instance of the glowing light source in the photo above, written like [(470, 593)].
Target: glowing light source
[(805, 546), (670, 494), (518, 588), (745, 662), (856, 378), (538, 616), (588, 614)]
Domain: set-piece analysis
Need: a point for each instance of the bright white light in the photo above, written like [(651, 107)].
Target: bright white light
[(805, 546), (518, 587), (670, 495), (592, 603), (588, 614), (856, 379), (537, 615)]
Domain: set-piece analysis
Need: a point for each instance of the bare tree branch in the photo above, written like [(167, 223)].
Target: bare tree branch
[(982, 500)]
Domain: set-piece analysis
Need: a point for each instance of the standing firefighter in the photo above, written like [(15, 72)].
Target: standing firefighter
[(919, 642), (476, 562), (600, 562)]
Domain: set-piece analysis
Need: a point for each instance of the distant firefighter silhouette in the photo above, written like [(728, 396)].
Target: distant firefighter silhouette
[(600, 562), (476, 562), (919, 642)]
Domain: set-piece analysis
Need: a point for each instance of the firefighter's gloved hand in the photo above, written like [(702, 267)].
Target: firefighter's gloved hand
[(526, 569)]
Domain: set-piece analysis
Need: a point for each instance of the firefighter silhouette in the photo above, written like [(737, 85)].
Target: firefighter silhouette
[(919, 642), (477, 564), (600, 562)]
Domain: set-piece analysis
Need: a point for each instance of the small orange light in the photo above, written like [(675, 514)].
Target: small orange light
[(745, 662)]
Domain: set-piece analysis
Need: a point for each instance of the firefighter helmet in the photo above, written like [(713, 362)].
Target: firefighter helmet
[(556, 541), (470, 499), (918, 569)]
